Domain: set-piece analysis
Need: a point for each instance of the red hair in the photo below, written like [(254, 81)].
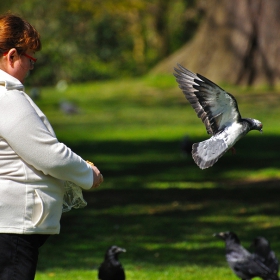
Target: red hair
[(16, 32)]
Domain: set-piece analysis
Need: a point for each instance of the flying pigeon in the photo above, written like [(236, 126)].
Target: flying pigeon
[(242, 263), (111, 268), (219, 112), (262, 251)]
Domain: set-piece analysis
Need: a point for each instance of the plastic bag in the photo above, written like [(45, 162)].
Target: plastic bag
[(73, 197)]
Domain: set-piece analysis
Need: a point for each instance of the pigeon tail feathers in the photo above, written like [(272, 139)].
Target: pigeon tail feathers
[(207, 153)]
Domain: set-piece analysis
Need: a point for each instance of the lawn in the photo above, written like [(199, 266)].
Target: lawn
[(155, 201)]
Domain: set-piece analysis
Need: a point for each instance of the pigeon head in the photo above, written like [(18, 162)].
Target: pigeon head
[(114, 251), (254, 124), (228, 236)]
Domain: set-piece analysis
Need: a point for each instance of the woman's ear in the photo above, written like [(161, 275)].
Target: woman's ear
[(11, 55)]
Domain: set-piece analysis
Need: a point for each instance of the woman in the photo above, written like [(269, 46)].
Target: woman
[(33, 164)]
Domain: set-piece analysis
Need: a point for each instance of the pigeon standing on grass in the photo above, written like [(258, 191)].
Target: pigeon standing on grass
[(218, 111), (242, 262), (68, 108), (262, 250), (111, 268)]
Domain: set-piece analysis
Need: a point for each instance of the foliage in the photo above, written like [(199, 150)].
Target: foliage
[(93, 40), (156, 202)]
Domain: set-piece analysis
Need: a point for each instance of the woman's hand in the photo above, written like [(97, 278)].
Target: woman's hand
[(97, 177)]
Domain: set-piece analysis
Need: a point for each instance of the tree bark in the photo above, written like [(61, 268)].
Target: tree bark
[(237, 42)]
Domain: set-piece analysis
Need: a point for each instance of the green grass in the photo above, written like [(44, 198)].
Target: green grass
[(155, 202)]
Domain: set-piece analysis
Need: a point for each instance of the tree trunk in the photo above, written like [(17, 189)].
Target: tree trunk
[(237, 42)]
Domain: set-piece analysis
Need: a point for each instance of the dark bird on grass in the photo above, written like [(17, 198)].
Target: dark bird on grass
[(261, 250), (111, 268), (218, 111), (242, 262)]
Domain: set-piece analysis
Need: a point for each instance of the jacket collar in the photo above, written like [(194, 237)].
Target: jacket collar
[(10, 82)]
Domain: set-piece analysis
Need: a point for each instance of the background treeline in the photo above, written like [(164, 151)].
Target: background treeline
[(100, 39)]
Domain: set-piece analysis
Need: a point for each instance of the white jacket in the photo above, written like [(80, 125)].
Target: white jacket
[(33, 165)]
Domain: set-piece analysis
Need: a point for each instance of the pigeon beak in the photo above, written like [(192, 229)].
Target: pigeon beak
[(261, 131), (219, 234), (121, 250)]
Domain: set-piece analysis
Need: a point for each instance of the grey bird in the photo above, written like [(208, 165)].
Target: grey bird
[(262, 250), (219, 112), (111, 268), (68, 108), (241, 261)]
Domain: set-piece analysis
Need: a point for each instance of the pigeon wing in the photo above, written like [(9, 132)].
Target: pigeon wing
[(257, 268), (249, 268), (214, 106), (270, 261), (273, 262)]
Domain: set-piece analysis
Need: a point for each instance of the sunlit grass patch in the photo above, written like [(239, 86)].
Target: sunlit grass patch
[(184, 185)]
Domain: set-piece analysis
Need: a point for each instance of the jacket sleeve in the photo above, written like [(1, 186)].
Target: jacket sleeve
[(28, 136)]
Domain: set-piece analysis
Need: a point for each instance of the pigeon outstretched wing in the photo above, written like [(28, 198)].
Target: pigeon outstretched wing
[(214, 106)]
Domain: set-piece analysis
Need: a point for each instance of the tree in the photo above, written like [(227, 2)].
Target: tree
[(237, 42), (100, 39)]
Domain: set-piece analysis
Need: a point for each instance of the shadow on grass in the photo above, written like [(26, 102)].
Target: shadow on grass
[(126, 161), (172, 226)]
